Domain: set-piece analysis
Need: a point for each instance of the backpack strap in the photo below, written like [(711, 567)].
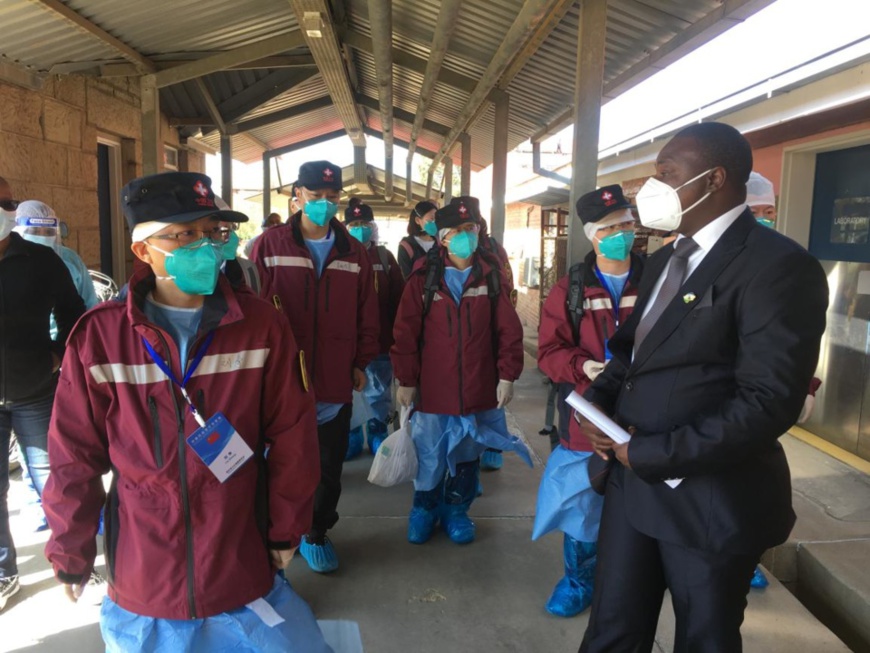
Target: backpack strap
[(408, 247), (252, 277), (434, 272), (575, 298), (385, 260)]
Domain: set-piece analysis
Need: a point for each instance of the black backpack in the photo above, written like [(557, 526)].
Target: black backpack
[(575, 298)]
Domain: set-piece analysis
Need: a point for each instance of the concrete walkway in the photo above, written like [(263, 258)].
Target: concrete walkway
[(487, 596)]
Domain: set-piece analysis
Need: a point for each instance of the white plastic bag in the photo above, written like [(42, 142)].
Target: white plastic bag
[(360, 413), (396, 460)]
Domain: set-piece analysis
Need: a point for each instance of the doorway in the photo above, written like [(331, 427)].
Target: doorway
[(114, 242)]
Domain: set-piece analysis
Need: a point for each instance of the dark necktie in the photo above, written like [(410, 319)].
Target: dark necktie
[(673, 282)]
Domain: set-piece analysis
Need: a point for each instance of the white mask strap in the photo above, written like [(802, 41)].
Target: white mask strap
[(694, 179)]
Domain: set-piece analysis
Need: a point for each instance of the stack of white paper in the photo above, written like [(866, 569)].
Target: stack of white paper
[(610, 428)]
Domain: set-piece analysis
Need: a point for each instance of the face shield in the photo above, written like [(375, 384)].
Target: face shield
[(43, 231)]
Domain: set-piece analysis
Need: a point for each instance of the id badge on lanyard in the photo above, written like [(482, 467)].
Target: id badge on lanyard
[(216, 441), (615, 301)]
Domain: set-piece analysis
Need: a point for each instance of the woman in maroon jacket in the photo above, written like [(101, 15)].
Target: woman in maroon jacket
[(421, 236), (607, 283), (388, 283), (457, 351)]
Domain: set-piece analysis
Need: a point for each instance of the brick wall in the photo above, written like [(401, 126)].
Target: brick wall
[(523, 241), (48, 146), (528, 302)]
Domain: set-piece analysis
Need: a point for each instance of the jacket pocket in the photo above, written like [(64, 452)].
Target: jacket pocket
[(155, 431)]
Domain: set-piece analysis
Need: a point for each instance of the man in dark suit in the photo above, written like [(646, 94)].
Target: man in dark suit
[(710, 369)]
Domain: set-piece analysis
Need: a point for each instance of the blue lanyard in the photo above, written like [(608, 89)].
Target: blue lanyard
[(614, 300), (200, 354)]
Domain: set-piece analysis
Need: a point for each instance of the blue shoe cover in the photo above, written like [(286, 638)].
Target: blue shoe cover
[(759, 580), (377, 432), (320, 557), (421, 525), (569, 598), (354, 444), (375, 442), (491, 460), (457, 524)]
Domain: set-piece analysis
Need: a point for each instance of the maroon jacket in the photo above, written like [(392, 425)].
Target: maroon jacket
[(335, 317), (558, 357), (458, 356), (389, 285), (179, 544)]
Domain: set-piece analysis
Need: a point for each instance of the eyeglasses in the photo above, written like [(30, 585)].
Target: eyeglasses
[(9, 205), (612, 229), (188, 236)]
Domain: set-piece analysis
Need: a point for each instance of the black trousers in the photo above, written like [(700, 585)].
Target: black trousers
[(332, 436), (708, 590)]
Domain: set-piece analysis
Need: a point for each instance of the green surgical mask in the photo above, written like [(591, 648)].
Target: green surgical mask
[(228, 251), (463, 244), (195, 267), (617, 246), (363, 233)]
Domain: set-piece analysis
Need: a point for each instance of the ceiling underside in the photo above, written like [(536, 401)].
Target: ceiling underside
[(283, 99)]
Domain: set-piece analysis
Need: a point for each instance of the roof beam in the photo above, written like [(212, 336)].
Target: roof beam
[(411, 62), (113, 69), (420, 150), (264, 90), (381, 21), (283, 114), (522, 34), (256, 141), (545, 28), (447, 17), (230, 58), (319, 34), (718, 21), (210, 106), (308, 142), (143, 64), (404, 116)]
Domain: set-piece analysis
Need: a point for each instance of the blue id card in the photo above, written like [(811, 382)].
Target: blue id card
[(220, 447)]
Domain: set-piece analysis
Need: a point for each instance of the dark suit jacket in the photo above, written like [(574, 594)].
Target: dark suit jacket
[(722, 374)]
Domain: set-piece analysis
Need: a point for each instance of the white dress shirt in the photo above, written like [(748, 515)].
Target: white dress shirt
[(706, 238)]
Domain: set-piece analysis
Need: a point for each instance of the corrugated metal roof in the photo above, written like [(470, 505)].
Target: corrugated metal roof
[(542, 90), (189, 25), (38, 38)]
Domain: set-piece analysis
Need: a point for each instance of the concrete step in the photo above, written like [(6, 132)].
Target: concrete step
[(834, 582)]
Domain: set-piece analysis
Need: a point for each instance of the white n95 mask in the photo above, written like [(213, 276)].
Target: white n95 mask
[(659, 205)]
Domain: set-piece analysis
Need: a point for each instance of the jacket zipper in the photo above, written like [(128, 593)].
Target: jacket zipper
[(185, 494), (459, 333), (158, 444), (468, 316), (449, 322), (200, 401), (314, 334)]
